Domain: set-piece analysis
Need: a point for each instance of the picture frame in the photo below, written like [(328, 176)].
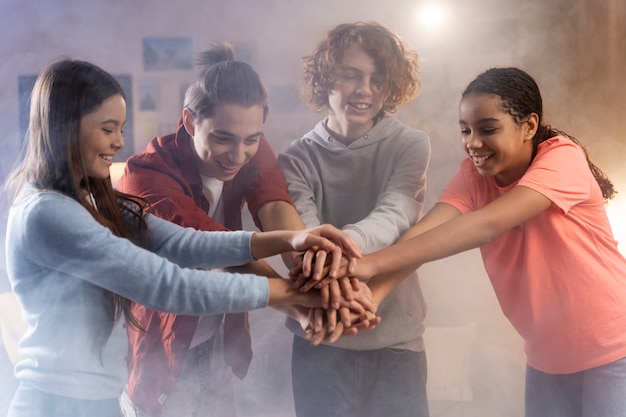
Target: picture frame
[(167, 54)]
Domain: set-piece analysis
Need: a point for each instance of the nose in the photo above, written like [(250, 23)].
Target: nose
[(237, 153), (119, 142), (472, 141), (365, 87)]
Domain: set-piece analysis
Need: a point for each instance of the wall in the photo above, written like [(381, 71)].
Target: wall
[(573, 49)]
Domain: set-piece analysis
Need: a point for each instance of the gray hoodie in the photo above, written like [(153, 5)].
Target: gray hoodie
[(374, 189)]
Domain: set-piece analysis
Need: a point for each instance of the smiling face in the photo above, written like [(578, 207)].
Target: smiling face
[(101, 136), (356, 96), (227, 140), (497, 145)]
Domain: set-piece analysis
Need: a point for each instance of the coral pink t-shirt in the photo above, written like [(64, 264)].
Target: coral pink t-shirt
[(559, 277)]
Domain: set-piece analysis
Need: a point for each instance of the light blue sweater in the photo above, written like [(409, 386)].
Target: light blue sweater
[(59, 259), (373, 189)]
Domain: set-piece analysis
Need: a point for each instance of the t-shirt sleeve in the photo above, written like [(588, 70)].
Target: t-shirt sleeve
[(459, 191), (560, 172)]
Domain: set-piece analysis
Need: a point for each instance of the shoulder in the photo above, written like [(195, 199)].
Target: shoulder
[(391, 127), (558, 145), (559, 154), (46, 213), (302, 146)]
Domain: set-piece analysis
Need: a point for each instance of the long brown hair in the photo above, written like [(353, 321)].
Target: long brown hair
[(51, 159)]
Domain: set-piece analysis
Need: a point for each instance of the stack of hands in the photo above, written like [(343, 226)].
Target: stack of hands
[(347, 303)]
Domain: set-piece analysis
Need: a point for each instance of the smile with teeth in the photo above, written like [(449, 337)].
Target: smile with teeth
[(361, 106), (228, 168), (108, 158), (480, 159)]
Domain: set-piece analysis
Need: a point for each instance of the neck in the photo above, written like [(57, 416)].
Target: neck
[(347, 133)]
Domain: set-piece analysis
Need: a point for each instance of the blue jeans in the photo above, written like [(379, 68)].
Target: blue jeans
[(205, 387), (329, 381), (30, 402), (596, 392)]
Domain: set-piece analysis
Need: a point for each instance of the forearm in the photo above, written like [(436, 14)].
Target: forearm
[(296, 312), (259, 267), (444, 231), (280, 215), (266, 244), (283, 294), (382, 285)]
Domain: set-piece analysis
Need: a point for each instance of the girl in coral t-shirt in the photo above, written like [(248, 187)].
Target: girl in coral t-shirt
[(529, 197)]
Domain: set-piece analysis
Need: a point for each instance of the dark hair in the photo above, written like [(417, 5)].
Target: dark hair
[(224, 80), (398, 64), (520, 97), (51, 158)]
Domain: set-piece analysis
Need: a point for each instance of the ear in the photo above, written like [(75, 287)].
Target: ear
[(188, 121), (531, 125)]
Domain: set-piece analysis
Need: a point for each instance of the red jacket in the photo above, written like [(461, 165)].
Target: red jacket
[(165, 174)]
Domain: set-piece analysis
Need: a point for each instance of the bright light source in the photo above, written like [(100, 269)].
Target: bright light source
[(432, 16), (615, 210)]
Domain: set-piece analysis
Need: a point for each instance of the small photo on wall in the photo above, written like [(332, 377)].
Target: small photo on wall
[(167, 54), (148, 95)]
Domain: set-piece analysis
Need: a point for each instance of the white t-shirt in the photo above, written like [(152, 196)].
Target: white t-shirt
[(208, 325)]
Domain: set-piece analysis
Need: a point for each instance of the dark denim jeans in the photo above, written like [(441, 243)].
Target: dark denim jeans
[(30, 402), (329, 382), (596, 392)]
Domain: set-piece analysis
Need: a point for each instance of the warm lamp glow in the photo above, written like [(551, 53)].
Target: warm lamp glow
[(432, 17), (615, 210)]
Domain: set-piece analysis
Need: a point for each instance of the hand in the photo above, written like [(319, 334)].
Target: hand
[(320, 331), (349, 295), (325, 238), (315, 264)]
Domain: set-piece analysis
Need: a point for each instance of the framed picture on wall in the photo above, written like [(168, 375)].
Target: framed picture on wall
[(148, 95), (167, 54)]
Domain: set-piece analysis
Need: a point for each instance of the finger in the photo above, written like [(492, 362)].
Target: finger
[(342, 238), (337, 255), (319, 332), (298, 280), (311, 283), (331, 319), (335, 294), (318, 320), (353, 306), (346, 288), (325, 295), (326, 281), (310, 330), (346, 319), (320, 263), (307, 261), (352, 264), (295, 270), (364, 295), (333, 336)]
